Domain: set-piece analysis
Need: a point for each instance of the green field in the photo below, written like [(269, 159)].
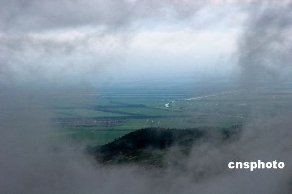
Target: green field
[(116, 111)]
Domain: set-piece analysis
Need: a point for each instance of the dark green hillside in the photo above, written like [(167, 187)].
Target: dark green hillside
[(148, 146)]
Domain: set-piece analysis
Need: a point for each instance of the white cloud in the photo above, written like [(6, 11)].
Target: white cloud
[(184, 42)]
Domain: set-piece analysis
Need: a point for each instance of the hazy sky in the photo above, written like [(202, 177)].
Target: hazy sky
[(89, 40)]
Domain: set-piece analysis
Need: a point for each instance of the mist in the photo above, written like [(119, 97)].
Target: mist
[(33, 160), (265, 44), (36, 68)]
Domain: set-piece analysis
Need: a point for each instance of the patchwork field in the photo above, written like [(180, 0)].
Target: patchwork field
[(115, 111)]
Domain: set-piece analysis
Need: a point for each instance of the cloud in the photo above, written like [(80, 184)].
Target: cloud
[(265, 45), (61, 39), (26, 16), (73, 39)]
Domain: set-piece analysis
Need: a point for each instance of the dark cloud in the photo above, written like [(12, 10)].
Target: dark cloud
[(266, 44), (27, 16)]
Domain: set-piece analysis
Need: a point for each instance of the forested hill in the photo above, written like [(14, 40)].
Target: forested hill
[(148, 146)]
